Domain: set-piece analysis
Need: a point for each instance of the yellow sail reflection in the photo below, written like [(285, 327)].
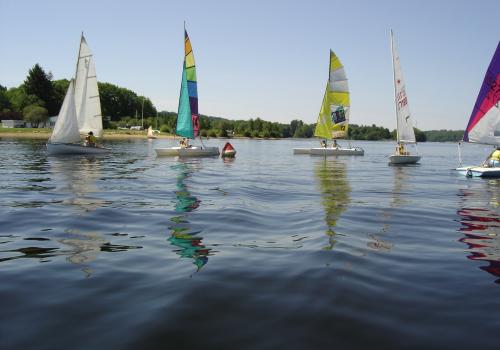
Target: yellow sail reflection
[(479, 214), (189, 244), (335, 193)]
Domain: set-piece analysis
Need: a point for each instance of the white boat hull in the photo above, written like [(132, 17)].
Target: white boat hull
[(480, 171), (73, 148), (401, 159), (187, 152), (321, 151)]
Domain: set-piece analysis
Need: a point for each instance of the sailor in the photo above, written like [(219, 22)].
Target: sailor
[(323, 143), (183, 142), (335, 145), (90, 139), (494, 158), (401, 149)]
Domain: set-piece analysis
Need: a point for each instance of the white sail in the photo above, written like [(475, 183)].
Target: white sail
[(150, 132), (405, 132), (66, 128), (87, 102)]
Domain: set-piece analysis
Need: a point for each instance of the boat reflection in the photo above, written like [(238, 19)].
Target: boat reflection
[(335, 191), (398, 199), (76, 182), (189, 244), (480, 218)]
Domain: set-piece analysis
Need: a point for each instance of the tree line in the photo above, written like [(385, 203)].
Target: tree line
[(39, 97)]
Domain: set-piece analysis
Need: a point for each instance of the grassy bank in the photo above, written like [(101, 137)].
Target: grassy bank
[(39, 133)]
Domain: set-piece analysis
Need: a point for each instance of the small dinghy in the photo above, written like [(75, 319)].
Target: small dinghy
[(80, 112), (151, 134), (228, 150), (484, 122), (404, 131), (188, 124), (333, 118)]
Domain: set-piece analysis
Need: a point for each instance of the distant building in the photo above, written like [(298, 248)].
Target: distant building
[(9, 123), (50, 123)]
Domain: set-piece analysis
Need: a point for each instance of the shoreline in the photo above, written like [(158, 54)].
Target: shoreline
[(107, 135)]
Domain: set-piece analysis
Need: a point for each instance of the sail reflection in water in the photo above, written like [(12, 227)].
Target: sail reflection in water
[(399, 198), (480, 219), (188, 243), (76, 179), (335, 191)]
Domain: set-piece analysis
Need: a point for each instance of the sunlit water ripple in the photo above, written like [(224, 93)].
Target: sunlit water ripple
[(270, 250)]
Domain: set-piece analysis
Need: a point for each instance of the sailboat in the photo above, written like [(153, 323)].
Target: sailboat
[(333, 119), (404, 130), (150, 133), (187, 114), (485, 119), (80, 112)]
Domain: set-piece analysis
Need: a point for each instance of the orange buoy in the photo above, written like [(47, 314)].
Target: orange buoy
[(228, 150)]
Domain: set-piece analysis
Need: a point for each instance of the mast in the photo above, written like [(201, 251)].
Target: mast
[(394, 83)]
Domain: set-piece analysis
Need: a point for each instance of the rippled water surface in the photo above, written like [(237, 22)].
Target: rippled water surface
[(267, 251)]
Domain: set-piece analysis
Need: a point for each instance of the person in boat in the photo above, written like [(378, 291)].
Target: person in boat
[(400, 150), (323, 143), (184, 143), (335, 144), (493, 160), (90, 140)]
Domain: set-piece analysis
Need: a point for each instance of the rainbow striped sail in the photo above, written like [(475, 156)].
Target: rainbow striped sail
[(333, 119), (187, 114), (485, 118)]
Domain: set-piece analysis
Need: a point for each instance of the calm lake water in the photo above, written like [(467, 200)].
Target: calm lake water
[(267, 251)]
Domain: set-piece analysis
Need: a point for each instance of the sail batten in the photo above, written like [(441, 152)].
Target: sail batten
[(333, 118), (485, 116)]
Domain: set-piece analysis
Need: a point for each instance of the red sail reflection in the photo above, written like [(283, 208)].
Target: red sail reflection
[(481, 234)]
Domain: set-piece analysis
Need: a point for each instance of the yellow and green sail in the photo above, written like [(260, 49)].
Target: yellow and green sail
[(187, 114), (333, 119)]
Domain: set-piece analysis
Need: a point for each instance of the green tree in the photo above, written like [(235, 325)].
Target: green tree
[(60, 89), (39, 84), (35, 114), (4, 100), (19, 99)]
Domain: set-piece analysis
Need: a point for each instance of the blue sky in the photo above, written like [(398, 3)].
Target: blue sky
[(266, 59)]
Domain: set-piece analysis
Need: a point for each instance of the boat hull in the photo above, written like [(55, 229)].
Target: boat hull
[(73, 148), (480, 171), (400, 159), (320, 151), (187, 152)]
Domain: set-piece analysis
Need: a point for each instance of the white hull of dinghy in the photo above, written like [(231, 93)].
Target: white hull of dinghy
[(73, 148), (187, 152), (321, 151), (480, 171), (400, 159)]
